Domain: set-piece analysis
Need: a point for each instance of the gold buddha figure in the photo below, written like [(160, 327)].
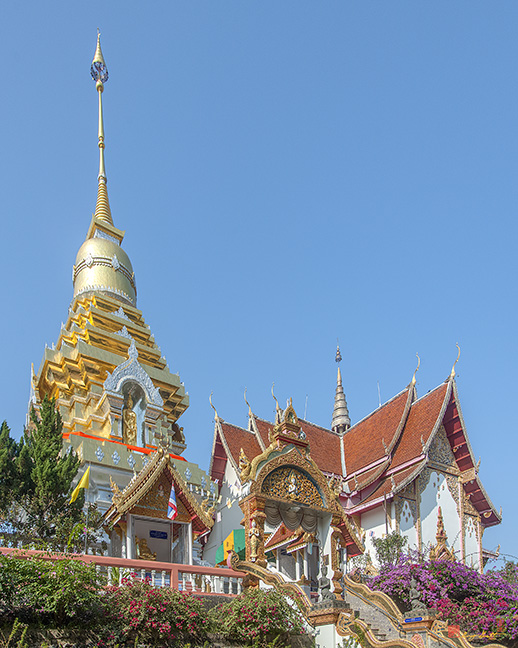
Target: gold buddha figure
[(129, 419), (143, 551)]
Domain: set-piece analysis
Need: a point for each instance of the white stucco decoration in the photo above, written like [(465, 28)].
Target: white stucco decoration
[(132, 370)]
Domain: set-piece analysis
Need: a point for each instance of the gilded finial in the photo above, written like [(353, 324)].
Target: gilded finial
[(452, 374), (249, 408), (216, 416), (99, 73), (278, 411), (338, 356), (98, 69), (416, 369)]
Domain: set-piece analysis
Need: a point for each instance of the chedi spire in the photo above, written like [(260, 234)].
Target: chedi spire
[(99, 73), (341, 420)]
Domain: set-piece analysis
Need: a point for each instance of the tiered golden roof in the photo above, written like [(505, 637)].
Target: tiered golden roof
[(105, 341)]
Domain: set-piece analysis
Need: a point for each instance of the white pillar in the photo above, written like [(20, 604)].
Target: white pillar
[(190, 542), (130, 543), (297, 565), (305, 561)]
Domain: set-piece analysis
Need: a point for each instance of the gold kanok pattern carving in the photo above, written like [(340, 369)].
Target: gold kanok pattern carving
[(288, 483)]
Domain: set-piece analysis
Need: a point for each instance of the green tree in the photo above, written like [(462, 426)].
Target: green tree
[(389, 548), (36, 477), (8, 472)]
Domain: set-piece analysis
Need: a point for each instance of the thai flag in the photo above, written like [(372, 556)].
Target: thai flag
[(172, 509)]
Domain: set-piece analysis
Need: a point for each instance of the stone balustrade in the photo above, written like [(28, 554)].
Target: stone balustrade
[(186, 578)]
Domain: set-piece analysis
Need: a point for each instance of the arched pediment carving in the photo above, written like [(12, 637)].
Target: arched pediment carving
[(292, 484), (132, 370)]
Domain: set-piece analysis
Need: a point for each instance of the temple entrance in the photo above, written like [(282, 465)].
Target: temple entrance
[(152, 539)]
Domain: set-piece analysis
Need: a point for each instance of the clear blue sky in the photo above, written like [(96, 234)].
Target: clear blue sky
[(287, 173)]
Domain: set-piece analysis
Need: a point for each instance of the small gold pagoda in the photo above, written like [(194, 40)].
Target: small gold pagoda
[(117, 397)]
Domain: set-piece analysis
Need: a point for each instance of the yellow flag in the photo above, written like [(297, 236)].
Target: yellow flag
[(84, 482)]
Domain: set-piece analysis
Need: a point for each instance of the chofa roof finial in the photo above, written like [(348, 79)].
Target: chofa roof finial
[(416, 369), (452, 374), (216, 415), (278, 410)]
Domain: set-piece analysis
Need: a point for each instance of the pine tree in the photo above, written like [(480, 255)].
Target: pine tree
[(8, 472), (36, 477), (45, 475)]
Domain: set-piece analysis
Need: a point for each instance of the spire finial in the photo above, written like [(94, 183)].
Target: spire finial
[(341, 420), (99, 73), (416, 369), (452, 374)]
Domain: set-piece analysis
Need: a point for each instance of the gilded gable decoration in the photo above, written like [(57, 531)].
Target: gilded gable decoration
[(292, 484), (440, 449), (440, 551)]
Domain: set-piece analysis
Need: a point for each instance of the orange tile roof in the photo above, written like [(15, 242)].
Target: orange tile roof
[(387, 485), (364, 441), (422, 419), (237, 438), (324, 445)]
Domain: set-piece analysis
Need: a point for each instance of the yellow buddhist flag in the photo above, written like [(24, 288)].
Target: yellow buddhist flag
[(84, 482)]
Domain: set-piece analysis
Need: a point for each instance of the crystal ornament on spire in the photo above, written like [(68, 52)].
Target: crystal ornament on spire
[(341, 420), (99, 73)]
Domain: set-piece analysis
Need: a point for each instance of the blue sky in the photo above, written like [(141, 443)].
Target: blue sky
[(287, 173)]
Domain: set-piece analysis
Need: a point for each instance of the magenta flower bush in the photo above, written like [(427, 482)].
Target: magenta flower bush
[(155, 616), (256, 618), (483, 605)]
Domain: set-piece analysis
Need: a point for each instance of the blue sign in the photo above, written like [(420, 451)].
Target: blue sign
[(162, 535), (413, 620)]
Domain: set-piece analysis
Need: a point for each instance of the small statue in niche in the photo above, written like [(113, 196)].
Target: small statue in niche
[(143, 551), (129, 419), (254, 534), (324, 586)]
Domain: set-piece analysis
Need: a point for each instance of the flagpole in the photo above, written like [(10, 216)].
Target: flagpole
[(86, 528), (87, 513)]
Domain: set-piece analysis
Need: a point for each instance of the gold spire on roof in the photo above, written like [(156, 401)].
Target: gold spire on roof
[(99, 73), (416, 369), (452, 374)]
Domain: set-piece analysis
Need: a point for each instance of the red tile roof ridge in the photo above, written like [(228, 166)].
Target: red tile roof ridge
[(429, 393), (237, 427), (303, 421), (407, 388)]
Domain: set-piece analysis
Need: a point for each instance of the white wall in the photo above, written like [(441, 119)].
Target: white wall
[(471, 542), (227, 519), (374, 524), (407, 526), (435, 494)]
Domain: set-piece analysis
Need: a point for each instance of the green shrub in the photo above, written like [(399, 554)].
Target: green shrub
[(257, 618), (52, 593)]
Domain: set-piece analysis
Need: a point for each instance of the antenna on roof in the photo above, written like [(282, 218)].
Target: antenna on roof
[(379, 395)]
